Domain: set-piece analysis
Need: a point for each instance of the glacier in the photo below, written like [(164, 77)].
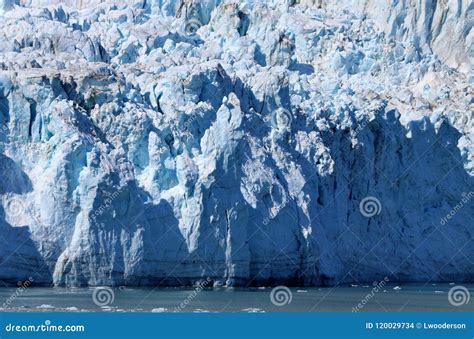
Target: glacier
[(170, 142)]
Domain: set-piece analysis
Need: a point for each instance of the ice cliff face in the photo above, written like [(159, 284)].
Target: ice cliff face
[(161, 143), (443, 27)]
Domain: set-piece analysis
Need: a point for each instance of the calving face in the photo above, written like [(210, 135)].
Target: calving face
[(164, 143)]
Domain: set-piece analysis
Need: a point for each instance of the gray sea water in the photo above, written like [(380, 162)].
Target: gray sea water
[(393, 298)]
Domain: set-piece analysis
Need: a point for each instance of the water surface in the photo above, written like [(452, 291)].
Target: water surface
[(433, 297)]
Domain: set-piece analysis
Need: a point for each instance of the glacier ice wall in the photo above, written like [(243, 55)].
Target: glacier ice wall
[(164, 142), (442, 27)]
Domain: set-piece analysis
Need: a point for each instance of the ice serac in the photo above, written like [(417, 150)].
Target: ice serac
[(444, 27), (6, 5), (167, 142)]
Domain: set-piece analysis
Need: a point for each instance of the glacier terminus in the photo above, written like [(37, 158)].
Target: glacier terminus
[(243, 143)]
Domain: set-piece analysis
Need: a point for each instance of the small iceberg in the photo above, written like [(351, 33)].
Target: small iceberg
[(253, 310), (159, 310), (72, 309)]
